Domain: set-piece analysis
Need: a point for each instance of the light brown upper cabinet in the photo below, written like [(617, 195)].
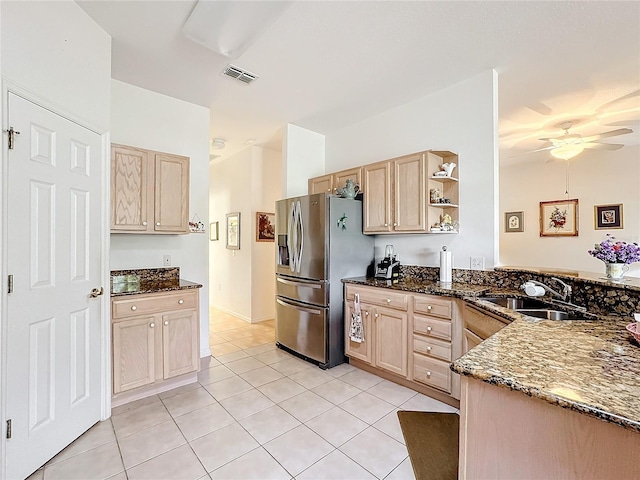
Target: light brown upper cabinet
[(149, 191), (331, 182), (396, 196)]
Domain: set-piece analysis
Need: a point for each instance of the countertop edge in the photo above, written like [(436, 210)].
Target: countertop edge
[(184, 285)]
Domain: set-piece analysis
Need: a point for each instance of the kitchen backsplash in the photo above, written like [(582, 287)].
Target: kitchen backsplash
[(598, 296)]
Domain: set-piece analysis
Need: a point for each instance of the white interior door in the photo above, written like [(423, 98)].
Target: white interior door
[(54, 254)]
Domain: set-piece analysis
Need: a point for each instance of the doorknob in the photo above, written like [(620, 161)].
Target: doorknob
[(96, 292)]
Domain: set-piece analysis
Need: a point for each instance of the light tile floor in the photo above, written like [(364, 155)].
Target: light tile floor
[(255, 413)]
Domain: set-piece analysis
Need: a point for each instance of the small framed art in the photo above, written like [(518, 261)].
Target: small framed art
[(214, 228), (559, 218), (233, 231), (265, 227), (513, 222), (607, 217)]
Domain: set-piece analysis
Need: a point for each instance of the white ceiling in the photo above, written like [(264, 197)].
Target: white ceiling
[(324, 65)]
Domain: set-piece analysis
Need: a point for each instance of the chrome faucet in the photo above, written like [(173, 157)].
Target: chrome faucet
[(565, 296)]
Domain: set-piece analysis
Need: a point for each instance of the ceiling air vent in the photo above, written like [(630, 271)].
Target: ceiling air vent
[(239, 74)]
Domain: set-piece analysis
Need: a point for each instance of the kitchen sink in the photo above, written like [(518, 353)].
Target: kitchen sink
[(515, 303), (550, 314)]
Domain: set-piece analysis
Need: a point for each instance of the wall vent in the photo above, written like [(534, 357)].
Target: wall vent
[(239, 74)]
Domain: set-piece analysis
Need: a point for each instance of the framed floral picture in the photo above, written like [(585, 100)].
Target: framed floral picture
[(607, 217), (265, 227), (559, 218), (513, 222)]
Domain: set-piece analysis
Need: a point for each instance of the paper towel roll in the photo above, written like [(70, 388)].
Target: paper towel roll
[(446, 264)]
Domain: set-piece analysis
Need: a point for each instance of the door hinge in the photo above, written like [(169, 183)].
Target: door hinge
[(12, 134), (9, 428), (10, 282)]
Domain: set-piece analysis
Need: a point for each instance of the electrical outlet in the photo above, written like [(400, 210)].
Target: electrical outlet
[(477, 263), (166, 260)]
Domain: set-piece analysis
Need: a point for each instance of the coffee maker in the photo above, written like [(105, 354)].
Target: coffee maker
[(389, 267)]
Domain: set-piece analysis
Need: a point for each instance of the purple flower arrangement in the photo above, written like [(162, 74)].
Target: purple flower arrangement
[(610, 251)]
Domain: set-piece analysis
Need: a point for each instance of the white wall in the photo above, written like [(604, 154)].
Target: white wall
[(56, 51), (243, 281), (230, 270), (146, 119), (303, 157), (263, 263), (461, 118), (596, 177)]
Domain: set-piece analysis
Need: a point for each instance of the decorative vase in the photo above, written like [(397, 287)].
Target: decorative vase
[(615, 271)]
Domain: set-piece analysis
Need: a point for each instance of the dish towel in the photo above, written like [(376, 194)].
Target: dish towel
[(356, 329)]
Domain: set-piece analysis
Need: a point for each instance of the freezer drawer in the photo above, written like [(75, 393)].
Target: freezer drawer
[(302, 328), (307, 291)]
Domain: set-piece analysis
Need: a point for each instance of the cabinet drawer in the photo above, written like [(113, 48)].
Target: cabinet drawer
[(432, 372), (432, 347), (146, 304), (436, 307), (432, 327), (378, 296)]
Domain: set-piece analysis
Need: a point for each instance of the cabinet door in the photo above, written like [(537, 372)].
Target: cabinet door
[(321, 184), (133, 353), (180, 345), (391, 340), (130, 198), (377, 198), (362, 350), (409, 193), (171, 193), (353, 174)]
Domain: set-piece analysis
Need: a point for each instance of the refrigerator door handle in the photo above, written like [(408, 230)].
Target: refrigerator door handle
[(312, 311), (290, 236), (298, 282), (301, 239)]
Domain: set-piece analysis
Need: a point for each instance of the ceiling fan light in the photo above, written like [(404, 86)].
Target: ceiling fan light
[(567, 151)]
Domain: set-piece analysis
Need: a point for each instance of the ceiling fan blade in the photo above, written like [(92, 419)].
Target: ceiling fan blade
[(612, 133), (531, 151), (603, 146)]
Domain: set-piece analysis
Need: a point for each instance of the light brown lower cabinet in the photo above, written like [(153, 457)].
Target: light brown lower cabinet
[(411, 336), (155, 339)]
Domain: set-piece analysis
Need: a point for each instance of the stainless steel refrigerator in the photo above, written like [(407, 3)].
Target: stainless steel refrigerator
[(319, 242)]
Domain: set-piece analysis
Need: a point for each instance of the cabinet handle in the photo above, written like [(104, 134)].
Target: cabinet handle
[(144, 224), (429, 307), (386, 224), (376, 315), (152, 325), (429, 329), (428, 349), (166, 322), (366, 313), (180, 302), (157, 224), (429, 374), (395, 224), (329, 190), (388, 300), (134, 308)]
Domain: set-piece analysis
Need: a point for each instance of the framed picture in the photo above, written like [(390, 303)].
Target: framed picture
[(513, 222), (607, 216), (559, 218), (265, 227), (214, 231), (233, 231)]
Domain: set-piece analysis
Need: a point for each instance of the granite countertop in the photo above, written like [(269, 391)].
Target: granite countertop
[(148, 280), (590, 366), (413, 285)]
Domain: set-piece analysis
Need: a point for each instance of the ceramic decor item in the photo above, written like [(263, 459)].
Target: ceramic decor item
[(350, 190), (448, 168)]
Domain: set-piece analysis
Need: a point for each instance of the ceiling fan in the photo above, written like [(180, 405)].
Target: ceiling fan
[(569, 145)]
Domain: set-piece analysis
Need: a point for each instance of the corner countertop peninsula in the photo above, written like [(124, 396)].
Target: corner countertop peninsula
[(588, 366), (148, 280)]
